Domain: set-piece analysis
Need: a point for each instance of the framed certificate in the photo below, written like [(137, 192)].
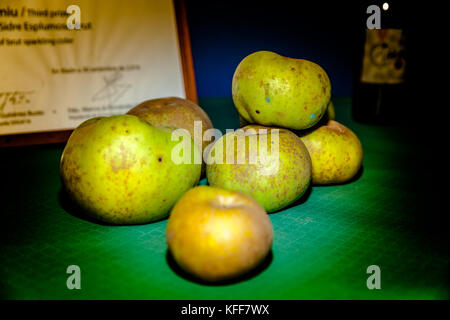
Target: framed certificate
[(62, 64)]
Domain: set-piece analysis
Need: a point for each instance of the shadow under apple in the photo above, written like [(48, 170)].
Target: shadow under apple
[(246, 276), (74, 209)]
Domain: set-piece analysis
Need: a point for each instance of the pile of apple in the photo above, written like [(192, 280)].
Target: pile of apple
[(119, 169)]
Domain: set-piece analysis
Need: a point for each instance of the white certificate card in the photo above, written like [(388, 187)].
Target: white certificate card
[(53, 78)]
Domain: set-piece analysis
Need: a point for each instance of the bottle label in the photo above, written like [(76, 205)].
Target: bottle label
[(384, 56)]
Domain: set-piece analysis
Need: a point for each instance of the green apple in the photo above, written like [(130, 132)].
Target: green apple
[(273, 90), (273, 168), (336, 153), (119, 169), (216, 234), (177, 113)]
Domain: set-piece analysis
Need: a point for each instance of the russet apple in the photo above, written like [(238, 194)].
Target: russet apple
[(272, 90), (336, 153), (120, 171), (269, 164), (216, 234)]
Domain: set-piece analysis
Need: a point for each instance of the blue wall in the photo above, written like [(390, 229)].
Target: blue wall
[(224, 32)]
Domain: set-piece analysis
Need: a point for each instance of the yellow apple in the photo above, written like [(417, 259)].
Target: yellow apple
[(336, 153), (273, 90), (119, 170), (278, 177), (216, 234)]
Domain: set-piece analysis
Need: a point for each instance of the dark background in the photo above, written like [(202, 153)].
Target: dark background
[(328, 33), (325, 32), (224, 32)]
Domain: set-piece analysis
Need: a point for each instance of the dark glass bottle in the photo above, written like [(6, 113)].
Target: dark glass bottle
[(380, 80)]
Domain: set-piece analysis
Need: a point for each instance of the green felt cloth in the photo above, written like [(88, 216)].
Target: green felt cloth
[(322, 246)]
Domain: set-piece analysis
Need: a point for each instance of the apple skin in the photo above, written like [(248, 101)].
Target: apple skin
[(273, 191), (329, 115), (216, 234), (336, 153), (174, 112), (119, 170), (331, 112), (272, 90)]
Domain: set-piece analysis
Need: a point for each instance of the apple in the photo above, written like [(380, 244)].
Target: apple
[(336, 153), (274, 169), (177, 113), (242, 122), (119, 170), (331, 112), (272, 90), (216, 234)]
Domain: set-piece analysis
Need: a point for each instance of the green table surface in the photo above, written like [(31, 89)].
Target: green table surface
[(322, 246)]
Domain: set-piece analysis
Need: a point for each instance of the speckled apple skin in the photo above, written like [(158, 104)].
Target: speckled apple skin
[(119, 170), (174, 112), (336, 153), (216, 234), (273, 90), (274, 191)]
